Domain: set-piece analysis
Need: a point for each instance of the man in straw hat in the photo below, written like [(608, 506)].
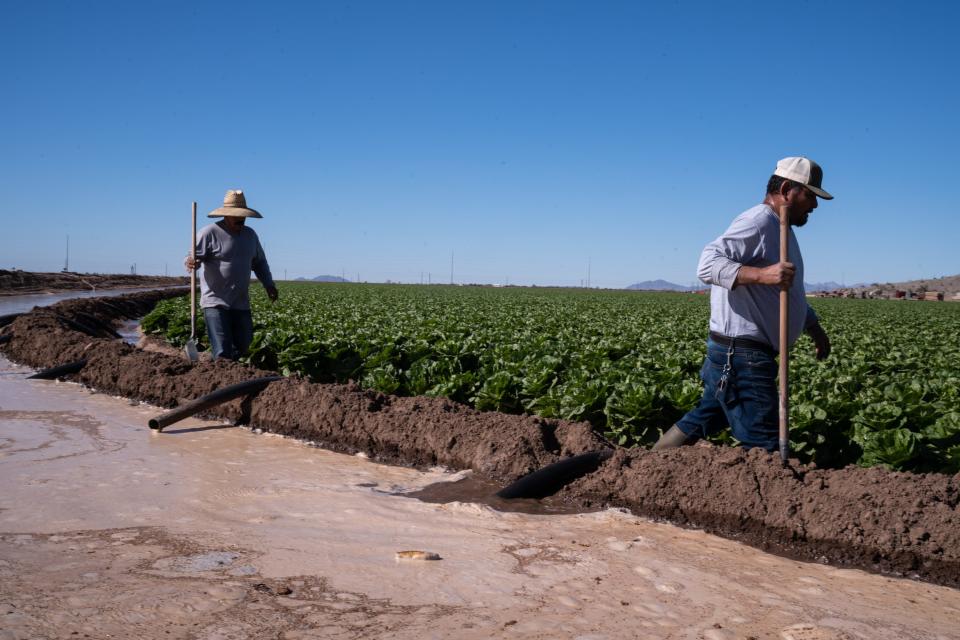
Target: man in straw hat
[(228, 251), (745, 273)]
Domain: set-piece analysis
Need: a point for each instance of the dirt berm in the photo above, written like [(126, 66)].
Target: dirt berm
[(26, 282), (897, 523)]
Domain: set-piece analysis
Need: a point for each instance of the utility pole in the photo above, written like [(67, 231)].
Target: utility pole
[(451, 267), (66, 262), (284, 274), (588, 272), (164, 269)]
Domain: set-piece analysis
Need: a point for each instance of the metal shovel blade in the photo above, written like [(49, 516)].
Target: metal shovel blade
[(191, 350)]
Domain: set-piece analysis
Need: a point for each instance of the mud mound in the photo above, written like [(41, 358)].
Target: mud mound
[(21, 282), (871, 518)]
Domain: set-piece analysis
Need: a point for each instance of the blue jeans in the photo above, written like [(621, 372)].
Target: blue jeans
[(230, 331), (739, 391)]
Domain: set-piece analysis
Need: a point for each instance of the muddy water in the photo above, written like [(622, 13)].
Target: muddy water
[(129, 330), (21, 303), (213, 531)]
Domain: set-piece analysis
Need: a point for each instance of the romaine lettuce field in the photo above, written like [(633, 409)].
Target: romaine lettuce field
[(627, 362)]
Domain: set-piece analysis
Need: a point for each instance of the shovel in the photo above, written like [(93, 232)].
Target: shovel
[(191, 347), (784, 348)]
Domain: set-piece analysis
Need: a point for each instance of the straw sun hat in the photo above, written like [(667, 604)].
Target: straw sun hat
[(234, 204)]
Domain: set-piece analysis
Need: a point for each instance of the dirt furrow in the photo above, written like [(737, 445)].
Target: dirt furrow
[(899, 523)]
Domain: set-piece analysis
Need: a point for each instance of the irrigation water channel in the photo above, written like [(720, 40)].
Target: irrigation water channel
[(213, 531)]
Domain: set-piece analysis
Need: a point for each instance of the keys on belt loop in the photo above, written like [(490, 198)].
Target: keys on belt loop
[(725, 374)]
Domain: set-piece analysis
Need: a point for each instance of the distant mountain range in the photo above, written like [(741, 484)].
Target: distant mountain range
[(949, 283), (325, 279), (827, 286), (663, 285)]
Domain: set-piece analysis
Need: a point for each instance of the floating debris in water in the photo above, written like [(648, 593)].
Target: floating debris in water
[(418, 555)]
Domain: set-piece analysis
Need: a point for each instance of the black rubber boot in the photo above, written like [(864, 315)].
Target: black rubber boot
[(672, 438)]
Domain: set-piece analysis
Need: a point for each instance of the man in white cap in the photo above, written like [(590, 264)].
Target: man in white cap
[(745, 273), (229, 250)]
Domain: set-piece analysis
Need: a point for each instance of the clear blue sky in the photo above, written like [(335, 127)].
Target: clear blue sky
[(529, 139)]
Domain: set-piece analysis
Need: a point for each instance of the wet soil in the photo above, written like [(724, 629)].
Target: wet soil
[(144, 583), (25, 282), (897, 523), (477, 489), (891, 522)]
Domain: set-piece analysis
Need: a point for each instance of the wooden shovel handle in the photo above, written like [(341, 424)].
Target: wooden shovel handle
[(784, 347), (193, 276)]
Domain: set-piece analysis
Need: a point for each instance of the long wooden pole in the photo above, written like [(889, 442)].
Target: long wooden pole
[(193, 278), (784, 346)]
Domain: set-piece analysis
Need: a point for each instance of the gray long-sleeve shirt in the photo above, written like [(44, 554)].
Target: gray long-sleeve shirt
[(753, 311), (227, 260)]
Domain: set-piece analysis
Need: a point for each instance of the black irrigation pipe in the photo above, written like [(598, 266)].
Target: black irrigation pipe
[(82, 323), (59, 371), (553, 477), (7, 319), (211, 400)]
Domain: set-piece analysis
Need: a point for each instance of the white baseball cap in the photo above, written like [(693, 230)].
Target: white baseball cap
[(805, 171)]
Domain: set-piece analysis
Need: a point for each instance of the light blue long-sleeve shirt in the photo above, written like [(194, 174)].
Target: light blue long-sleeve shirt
[(753, 310), (227, 261)]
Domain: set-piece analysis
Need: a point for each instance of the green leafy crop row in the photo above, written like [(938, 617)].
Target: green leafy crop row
[(627, 362)]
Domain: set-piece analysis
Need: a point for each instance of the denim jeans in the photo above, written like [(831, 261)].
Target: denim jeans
[(230, 331), (739, 391)]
